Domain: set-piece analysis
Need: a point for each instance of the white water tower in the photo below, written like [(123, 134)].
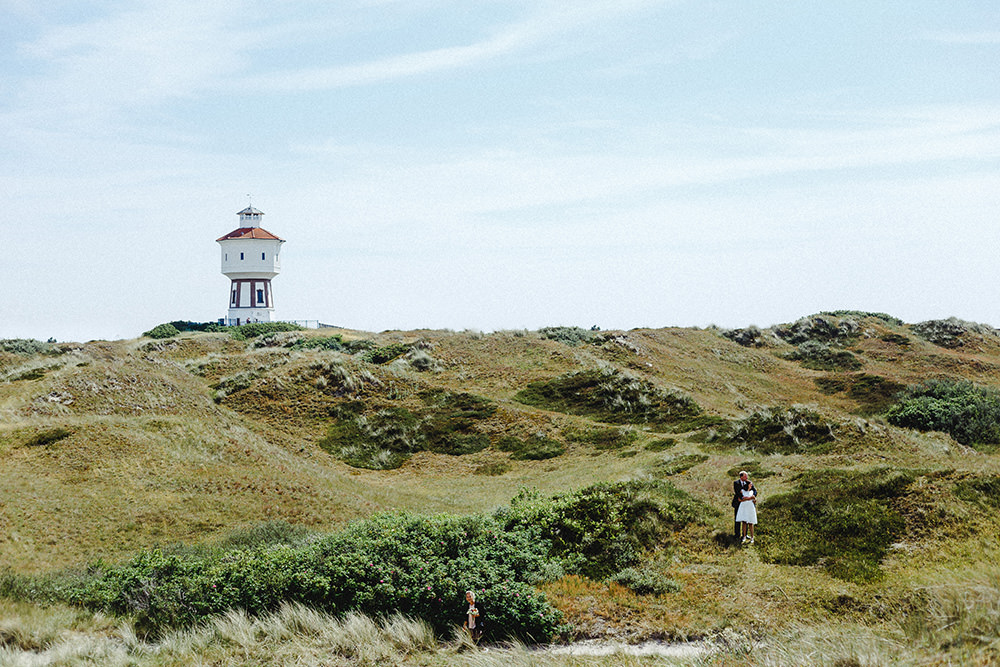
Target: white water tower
[(250, 259)]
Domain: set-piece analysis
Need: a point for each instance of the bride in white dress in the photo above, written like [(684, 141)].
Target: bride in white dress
[(747, 513)]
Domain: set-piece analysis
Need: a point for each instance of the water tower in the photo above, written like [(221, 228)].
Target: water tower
[(250, 259)]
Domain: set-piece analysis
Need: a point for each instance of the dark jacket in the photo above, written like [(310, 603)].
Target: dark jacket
[(738, 487)]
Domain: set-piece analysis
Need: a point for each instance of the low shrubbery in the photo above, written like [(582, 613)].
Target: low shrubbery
[(748, 337), (571, 336), (968, 412), (386, 353), (821, 357), (646, 581), (781, 431), (984, 491), (334, 343), (612, 396), (603, 529), (752, 468), (873, 392), (26, 346), (255, 329), (384, 438), (602, 437), (844, 520), (418, 566), (819, 328), (950, 333)]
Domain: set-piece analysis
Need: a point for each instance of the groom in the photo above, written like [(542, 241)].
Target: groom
[(738, 486)]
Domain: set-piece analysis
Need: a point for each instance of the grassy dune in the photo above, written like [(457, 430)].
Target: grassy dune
[(110, 448)]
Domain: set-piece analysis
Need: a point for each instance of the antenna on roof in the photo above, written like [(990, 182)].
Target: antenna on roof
[(249, 200)]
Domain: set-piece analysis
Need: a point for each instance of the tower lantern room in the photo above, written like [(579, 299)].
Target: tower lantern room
[(250, 259)]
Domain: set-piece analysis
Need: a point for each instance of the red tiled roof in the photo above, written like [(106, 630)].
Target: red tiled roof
[(249, 233)]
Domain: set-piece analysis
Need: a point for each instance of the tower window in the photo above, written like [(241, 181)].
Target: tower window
[(241, 255), (260, 297), (262, 255), (227, 256)]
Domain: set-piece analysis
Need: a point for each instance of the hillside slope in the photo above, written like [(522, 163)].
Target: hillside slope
[(112, 447)]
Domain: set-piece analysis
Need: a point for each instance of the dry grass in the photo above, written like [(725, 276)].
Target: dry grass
[(152, 459)]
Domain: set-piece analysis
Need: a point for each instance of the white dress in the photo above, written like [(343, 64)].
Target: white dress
[(748, 509)]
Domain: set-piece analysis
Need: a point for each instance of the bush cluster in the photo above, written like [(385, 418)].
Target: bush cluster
[(984, 491), (874, 393), (844, 519), (386, 353), (612, 396), (383, 439), (414, 565), (603, 529), (819, 328), (25, 346), (968, 412), (861, 314), (418, 566), (255, 329), (748, 337), (48, 437), (821, 357), (949, 333), (781, 431), (571, 336), (602, 437), (646, 581), (333, 343), (536, 447), (677, 464)]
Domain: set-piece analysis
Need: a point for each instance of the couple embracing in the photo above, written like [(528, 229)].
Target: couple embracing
[(744, 508)]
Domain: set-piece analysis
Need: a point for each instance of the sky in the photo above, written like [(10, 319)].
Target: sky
[(500, 164)]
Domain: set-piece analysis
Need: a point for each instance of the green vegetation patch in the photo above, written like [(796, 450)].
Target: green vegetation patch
[(821, 357), (572, 336), (828, 329), (382, 439), (950, 333), (677, 464), (162, 331), (605, 528), (782, 431), (842, 519), (415, 565), (748, 337), (536, 447), (334, 343), (660, 444), (612, 396), (386, 353), (968, 412), (874, 393), (861, 314), (646, 581), (984, 491), (26, 346), (602, 438), (492, 469)]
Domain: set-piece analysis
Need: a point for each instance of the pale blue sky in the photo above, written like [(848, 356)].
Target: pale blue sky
[(500, 164)]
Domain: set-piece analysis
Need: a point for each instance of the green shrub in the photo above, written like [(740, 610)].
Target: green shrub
[(820, 329), (860, 314), (660, 445), (677, 464), (604, 528), (646, 581), (845, 520), (162, 331), (610, 395), (950, 333), (781, 431), (874, 393), (571, 336), (602, 437), (417, 566), (384, 439), (25, 346), (334, 343), (48, 437), (821, 357), (535, 447), (970, 413), (748, 337), (385, 354), (255, 329)]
